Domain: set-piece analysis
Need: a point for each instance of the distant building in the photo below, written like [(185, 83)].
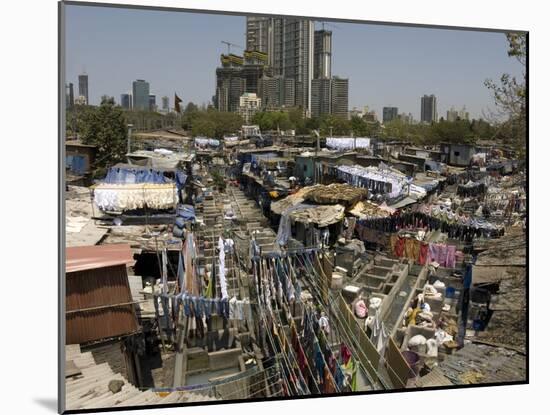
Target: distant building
[(140, 95), (322, 54), (406, 118), (165, 103), (320, 97), (277, 92), (339, 97), (152, 102), (428, 109), (454, 115), (329, 96), (230, 85), (70, 95), (356, 112), (249, 104), (288, 45), (80, 100), (126, 101), (463, 114), (389, 114), (83, 87), (370, 116)]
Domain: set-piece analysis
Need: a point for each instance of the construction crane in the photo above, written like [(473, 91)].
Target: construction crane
[(229, 44)]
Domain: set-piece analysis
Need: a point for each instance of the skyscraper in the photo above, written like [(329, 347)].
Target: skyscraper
[(70, 95), (329, 96), (165, 103), (140, 95), (126, 101), (230, 85), (276, 92), (152, 102), (339, 97), (288, 44), (298, 58), (83, 86), (322, 56), (428, 109), (389, 114), (320, 97), (259, 35)]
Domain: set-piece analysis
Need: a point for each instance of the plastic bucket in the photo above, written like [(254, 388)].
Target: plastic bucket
[(450, 292)]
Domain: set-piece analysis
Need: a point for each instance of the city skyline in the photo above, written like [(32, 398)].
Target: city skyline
[(377, 74)]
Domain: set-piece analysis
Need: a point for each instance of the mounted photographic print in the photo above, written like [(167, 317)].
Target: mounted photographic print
[(261, 207)]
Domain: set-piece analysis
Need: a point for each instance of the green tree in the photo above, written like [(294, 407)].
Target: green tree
[(510, 95), (105, 127), (338, 125)]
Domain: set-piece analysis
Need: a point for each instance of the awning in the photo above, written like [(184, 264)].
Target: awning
[(81, 258)]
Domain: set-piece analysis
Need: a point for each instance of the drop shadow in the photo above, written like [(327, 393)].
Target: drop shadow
[(48, 403)]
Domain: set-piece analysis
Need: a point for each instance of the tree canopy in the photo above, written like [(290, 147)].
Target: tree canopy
[(105, 127)]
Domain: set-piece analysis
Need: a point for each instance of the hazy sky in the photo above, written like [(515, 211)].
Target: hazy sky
[(179, 52)]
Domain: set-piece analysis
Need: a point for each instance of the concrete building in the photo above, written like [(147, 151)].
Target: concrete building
[(126, 101), (298, 59), (277, 92), (322, 54), (406, 118), (152, 102), (457, 154), (389, 114), (320, 97), (249, 105), (80, 100), (83, 87), (70, 95), (165, 104), (288, 44), (259, 36), (230, 85), (140, 95), (454, 115), (428, 109), (329, 96), (339, 99)]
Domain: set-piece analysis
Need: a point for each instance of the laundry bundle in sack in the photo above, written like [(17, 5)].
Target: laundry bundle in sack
[(184, 214)]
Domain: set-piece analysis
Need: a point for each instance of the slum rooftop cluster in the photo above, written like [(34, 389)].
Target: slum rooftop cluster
[(380, 256)]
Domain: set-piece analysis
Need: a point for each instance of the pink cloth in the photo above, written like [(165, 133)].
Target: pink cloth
[(360, 309), (451, 256), (442, 254), (433, 253)]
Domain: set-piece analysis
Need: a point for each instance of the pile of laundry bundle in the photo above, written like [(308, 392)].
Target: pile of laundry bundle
[(204, 141), (184, 214), (347, 143), (378, 180), (471, 189), (123, 197)]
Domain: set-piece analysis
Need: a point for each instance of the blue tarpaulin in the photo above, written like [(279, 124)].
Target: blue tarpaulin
[(186, 212)]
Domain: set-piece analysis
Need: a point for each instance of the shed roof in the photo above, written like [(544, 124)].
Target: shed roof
[(81, 258)]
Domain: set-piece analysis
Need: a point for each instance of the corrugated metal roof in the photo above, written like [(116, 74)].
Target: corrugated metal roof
[(81, 258)]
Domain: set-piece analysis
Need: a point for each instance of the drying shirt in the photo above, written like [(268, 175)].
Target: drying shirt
[(233, 308), (423, 253), (451, 256)]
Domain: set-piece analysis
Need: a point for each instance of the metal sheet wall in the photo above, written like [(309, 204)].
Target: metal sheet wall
[(97, 305)]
